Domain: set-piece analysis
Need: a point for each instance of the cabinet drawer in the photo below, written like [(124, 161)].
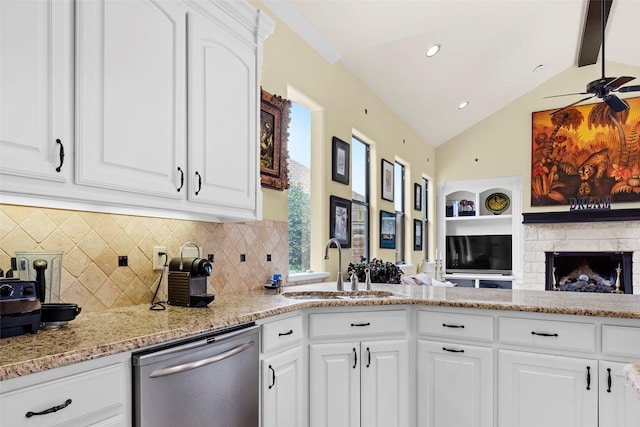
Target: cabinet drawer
[(358, 324), (548, 334), (621, 341), (95, 395), (282, 334), (455, 325)]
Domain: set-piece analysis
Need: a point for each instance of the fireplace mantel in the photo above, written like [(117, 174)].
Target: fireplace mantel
[(581, 215)]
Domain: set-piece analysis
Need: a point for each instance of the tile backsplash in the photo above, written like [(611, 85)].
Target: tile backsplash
[(92, 242)]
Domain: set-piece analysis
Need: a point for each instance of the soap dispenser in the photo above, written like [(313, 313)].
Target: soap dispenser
[(354, 281)]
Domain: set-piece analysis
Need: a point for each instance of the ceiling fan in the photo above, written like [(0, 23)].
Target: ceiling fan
[(604, 87)]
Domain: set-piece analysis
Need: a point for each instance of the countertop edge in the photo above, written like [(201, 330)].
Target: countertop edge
[(277, 305)]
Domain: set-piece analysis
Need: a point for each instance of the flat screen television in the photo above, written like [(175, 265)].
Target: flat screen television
[(489, 254)]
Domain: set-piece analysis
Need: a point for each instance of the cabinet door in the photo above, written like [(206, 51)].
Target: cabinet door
[(455, 385), (95, 393), (334, 389), (619, 403), (222, 116), (130, 85), (385, 383), (36, 92), (282, 390), (544, 390)]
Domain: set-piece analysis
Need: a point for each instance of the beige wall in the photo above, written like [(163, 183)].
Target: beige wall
[(501, 143), (294, 70)]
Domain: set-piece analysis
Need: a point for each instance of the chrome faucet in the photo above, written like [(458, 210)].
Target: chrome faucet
[(326, 256)]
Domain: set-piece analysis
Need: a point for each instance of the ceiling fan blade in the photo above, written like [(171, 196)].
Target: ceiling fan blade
[(572, 104), (592, 32), (629, 89), (616, 104), (566, 94), (618, 81)]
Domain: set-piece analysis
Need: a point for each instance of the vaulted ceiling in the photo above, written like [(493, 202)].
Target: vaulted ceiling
[(490, 49)]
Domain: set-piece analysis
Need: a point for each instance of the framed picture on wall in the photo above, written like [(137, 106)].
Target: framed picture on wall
[(340, 161), (417, 235), (417, 197), (387, 230), (340, 220), (274, 134), (387, 180)]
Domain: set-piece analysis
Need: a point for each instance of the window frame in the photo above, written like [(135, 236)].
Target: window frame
[(367, 202)]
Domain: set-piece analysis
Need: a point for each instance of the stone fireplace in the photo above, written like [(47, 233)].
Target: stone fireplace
[(615, 231), (576, 271)]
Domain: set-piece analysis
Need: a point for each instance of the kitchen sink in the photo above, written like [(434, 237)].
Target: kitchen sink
[(344, 295)]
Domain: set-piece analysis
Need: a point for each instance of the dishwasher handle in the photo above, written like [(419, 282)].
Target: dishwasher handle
[(198, 363)]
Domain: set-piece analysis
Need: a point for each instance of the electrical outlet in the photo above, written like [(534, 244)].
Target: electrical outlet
[(157, 259)]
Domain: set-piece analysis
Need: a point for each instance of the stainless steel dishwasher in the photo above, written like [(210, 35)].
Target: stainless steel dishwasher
[(210, 380)]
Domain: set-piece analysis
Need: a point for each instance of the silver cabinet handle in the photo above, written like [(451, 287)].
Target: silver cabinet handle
[(198, 363)]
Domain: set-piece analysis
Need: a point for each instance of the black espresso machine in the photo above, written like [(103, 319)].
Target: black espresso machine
[(187, 280)]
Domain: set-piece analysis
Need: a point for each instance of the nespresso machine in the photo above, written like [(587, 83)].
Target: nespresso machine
[(187, 280)]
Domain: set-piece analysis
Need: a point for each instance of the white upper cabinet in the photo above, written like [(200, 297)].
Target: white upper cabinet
[(222, 115), (165, 112), (131, 95), (36, 64)]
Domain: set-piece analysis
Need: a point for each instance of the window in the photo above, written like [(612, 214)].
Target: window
[(359, 200), (299, 195), (425, 217), (398, 182)]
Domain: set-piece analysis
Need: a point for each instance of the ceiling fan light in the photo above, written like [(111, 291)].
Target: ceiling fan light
[(433, 50), (463, 105)]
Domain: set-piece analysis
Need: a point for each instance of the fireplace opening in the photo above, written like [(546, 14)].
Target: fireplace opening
[(602, 272)]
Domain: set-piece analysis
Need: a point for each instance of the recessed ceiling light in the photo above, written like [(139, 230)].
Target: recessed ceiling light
[(433, 50), (539, 69), (463, 105)]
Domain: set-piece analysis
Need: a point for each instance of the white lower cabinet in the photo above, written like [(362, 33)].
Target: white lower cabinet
[(359, 369), (94, 393), (547, 390), (359, 383), (283, 373), (282, 389), (619, 402), (455, 386)]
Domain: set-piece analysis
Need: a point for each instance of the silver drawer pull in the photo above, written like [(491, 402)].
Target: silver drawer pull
[(198, 363)]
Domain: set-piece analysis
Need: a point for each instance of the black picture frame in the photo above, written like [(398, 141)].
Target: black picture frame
[(340, 154), (340, 220), (417, 235), (386, 183), (387, 230), (417, 197)]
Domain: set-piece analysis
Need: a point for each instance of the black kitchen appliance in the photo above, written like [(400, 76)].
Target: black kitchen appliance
[(187, 281), (20, 308), (53, 314)]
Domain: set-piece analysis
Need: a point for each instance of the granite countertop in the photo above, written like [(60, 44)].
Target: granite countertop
[(632, 374), (113, 331)]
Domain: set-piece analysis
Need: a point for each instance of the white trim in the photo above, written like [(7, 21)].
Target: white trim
[(299, 24)]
